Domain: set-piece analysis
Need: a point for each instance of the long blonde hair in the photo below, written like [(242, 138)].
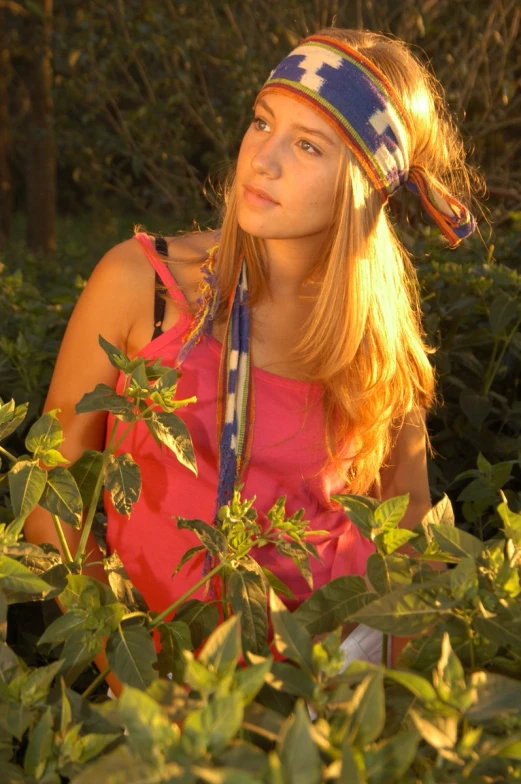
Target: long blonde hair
[(364, 339)]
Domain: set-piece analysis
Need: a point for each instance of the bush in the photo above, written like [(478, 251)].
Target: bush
[(236, 708)]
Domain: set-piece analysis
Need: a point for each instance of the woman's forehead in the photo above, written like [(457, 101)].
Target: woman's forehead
[(302, 116)]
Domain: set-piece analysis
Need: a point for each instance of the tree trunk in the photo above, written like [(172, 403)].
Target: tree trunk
[(41, 148), (6, 202)]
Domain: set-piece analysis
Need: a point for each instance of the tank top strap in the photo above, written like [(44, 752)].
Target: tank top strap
[(162, 271)]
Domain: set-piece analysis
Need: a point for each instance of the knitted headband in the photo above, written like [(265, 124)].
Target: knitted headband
[(358, 101)]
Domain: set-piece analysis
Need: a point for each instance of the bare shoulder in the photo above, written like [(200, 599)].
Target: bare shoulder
[(192, 247)]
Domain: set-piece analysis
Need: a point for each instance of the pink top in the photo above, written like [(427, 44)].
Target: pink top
[(287, 455)]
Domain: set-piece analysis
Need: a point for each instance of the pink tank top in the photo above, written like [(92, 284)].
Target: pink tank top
[(287, 455)]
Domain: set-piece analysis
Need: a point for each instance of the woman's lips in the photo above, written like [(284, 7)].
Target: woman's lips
[(258, 198)]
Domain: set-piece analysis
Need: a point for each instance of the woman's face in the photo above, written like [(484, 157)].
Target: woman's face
[(287, 171)]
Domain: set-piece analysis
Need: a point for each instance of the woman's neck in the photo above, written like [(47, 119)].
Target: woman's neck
[(289, 263)]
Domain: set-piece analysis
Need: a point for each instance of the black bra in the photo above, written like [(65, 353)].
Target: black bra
[(159, 301)]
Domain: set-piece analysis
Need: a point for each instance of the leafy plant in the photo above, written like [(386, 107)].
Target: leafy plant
[(229, 697)]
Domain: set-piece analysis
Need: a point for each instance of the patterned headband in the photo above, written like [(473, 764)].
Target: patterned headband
[(358, 101)]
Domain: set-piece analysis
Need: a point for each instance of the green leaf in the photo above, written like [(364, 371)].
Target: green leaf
[(11, 417), (46, 433), (360, 512), (291, 637), (40, 746), (333, 604), (367, 709), (170, 429), (14, 718), (62, 497), (390, 759), (388, 514), (37, 684), (85, 472), (247, 596), (456, 542), (104, 398), (299, 754), (504, 629), (511, 522), (119, 766), (502, 310), (138, 386), (290, 679), (26, 485), (434, 736), (350, 773), (475, 407), (132, 655), (495, 696), (14, 576), (386, 573), (201, 618), (299, 556), (222, 650), (52, 457), (150, 732), (215, 724), (441, 513), (117, 358), (175, 638), (277, 585), (81, 646), (59, 630), (187, 557), (198, 676), (389, 541), (464, 579), (85, 593), (405, 611), (212, 538), (123, 481), (249, 680)]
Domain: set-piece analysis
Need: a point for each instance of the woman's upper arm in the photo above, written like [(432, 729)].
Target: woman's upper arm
[(406, 468), (108, 306)]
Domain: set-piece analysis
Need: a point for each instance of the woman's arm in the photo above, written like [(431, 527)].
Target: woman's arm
[(111, 305), (407, 473)]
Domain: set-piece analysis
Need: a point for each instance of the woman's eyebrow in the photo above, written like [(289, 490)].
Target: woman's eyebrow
[(296, 126)]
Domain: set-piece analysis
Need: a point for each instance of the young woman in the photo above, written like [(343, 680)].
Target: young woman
[(296, 324)]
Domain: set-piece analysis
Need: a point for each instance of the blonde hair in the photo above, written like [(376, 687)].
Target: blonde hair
[(364, 339)]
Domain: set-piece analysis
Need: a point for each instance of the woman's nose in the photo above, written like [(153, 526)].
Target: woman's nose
[(267, 159)]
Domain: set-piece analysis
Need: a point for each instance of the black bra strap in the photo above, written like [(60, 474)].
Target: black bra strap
[(159, 301)]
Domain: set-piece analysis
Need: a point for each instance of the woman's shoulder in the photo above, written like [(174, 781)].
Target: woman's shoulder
[(191, 247), (126, 265)]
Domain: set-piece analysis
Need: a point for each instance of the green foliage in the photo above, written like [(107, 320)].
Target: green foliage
[(244, 706)]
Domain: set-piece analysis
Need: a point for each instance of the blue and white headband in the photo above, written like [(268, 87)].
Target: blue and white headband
[(362, 106)]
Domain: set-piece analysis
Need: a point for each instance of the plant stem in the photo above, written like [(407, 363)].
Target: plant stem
[(385, 646), (8, 454), (61, 537), (157, 620), (135, 614), (96, 682), (471, 648), (92, 511), (496, 364)]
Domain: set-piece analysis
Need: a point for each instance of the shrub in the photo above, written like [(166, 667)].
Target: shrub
[(237, 711)]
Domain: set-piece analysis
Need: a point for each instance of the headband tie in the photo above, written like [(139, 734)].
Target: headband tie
[(358, 101)]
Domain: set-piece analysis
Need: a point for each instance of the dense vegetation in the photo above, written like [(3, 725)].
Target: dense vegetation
[(240, 710)]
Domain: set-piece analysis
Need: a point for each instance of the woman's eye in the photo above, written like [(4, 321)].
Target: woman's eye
[(310, 148), (259, 124)]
